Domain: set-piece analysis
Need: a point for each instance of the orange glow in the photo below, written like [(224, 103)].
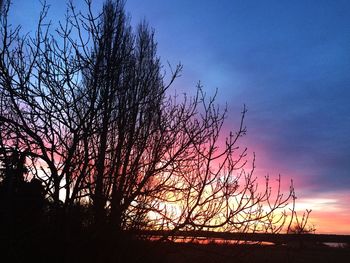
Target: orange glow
[(330, 209), (330, 223), (330, 215)]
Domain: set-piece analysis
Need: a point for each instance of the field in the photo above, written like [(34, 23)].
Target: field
[(50, 247), (221, 253), (248, 253)]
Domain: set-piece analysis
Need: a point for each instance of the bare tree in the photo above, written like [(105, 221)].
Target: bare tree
[(89, 105), (301, 226)]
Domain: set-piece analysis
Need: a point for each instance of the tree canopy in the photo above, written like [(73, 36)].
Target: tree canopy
[(88, 107)]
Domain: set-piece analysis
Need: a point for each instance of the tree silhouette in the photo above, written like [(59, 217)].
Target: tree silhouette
[(89, 107), (21, 202)]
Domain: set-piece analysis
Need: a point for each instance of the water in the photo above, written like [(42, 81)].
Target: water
[(335, 244)]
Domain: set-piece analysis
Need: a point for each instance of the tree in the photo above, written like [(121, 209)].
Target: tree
[(90, 108), (300, 225)]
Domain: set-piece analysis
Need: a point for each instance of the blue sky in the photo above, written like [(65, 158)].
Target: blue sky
[(288, 61)]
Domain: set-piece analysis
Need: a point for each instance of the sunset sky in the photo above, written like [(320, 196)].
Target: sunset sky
[(288, 61)]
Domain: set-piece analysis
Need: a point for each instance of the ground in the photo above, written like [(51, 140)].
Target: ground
[(51, 249)]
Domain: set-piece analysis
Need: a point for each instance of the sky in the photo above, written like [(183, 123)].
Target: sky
[(287, 61)]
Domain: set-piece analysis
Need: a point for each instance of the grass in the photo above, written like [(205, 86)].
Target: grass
[(50, 245)]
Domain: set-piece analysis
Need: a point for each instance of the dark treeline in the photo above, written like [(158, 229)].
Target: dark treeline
[(92, 143)]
